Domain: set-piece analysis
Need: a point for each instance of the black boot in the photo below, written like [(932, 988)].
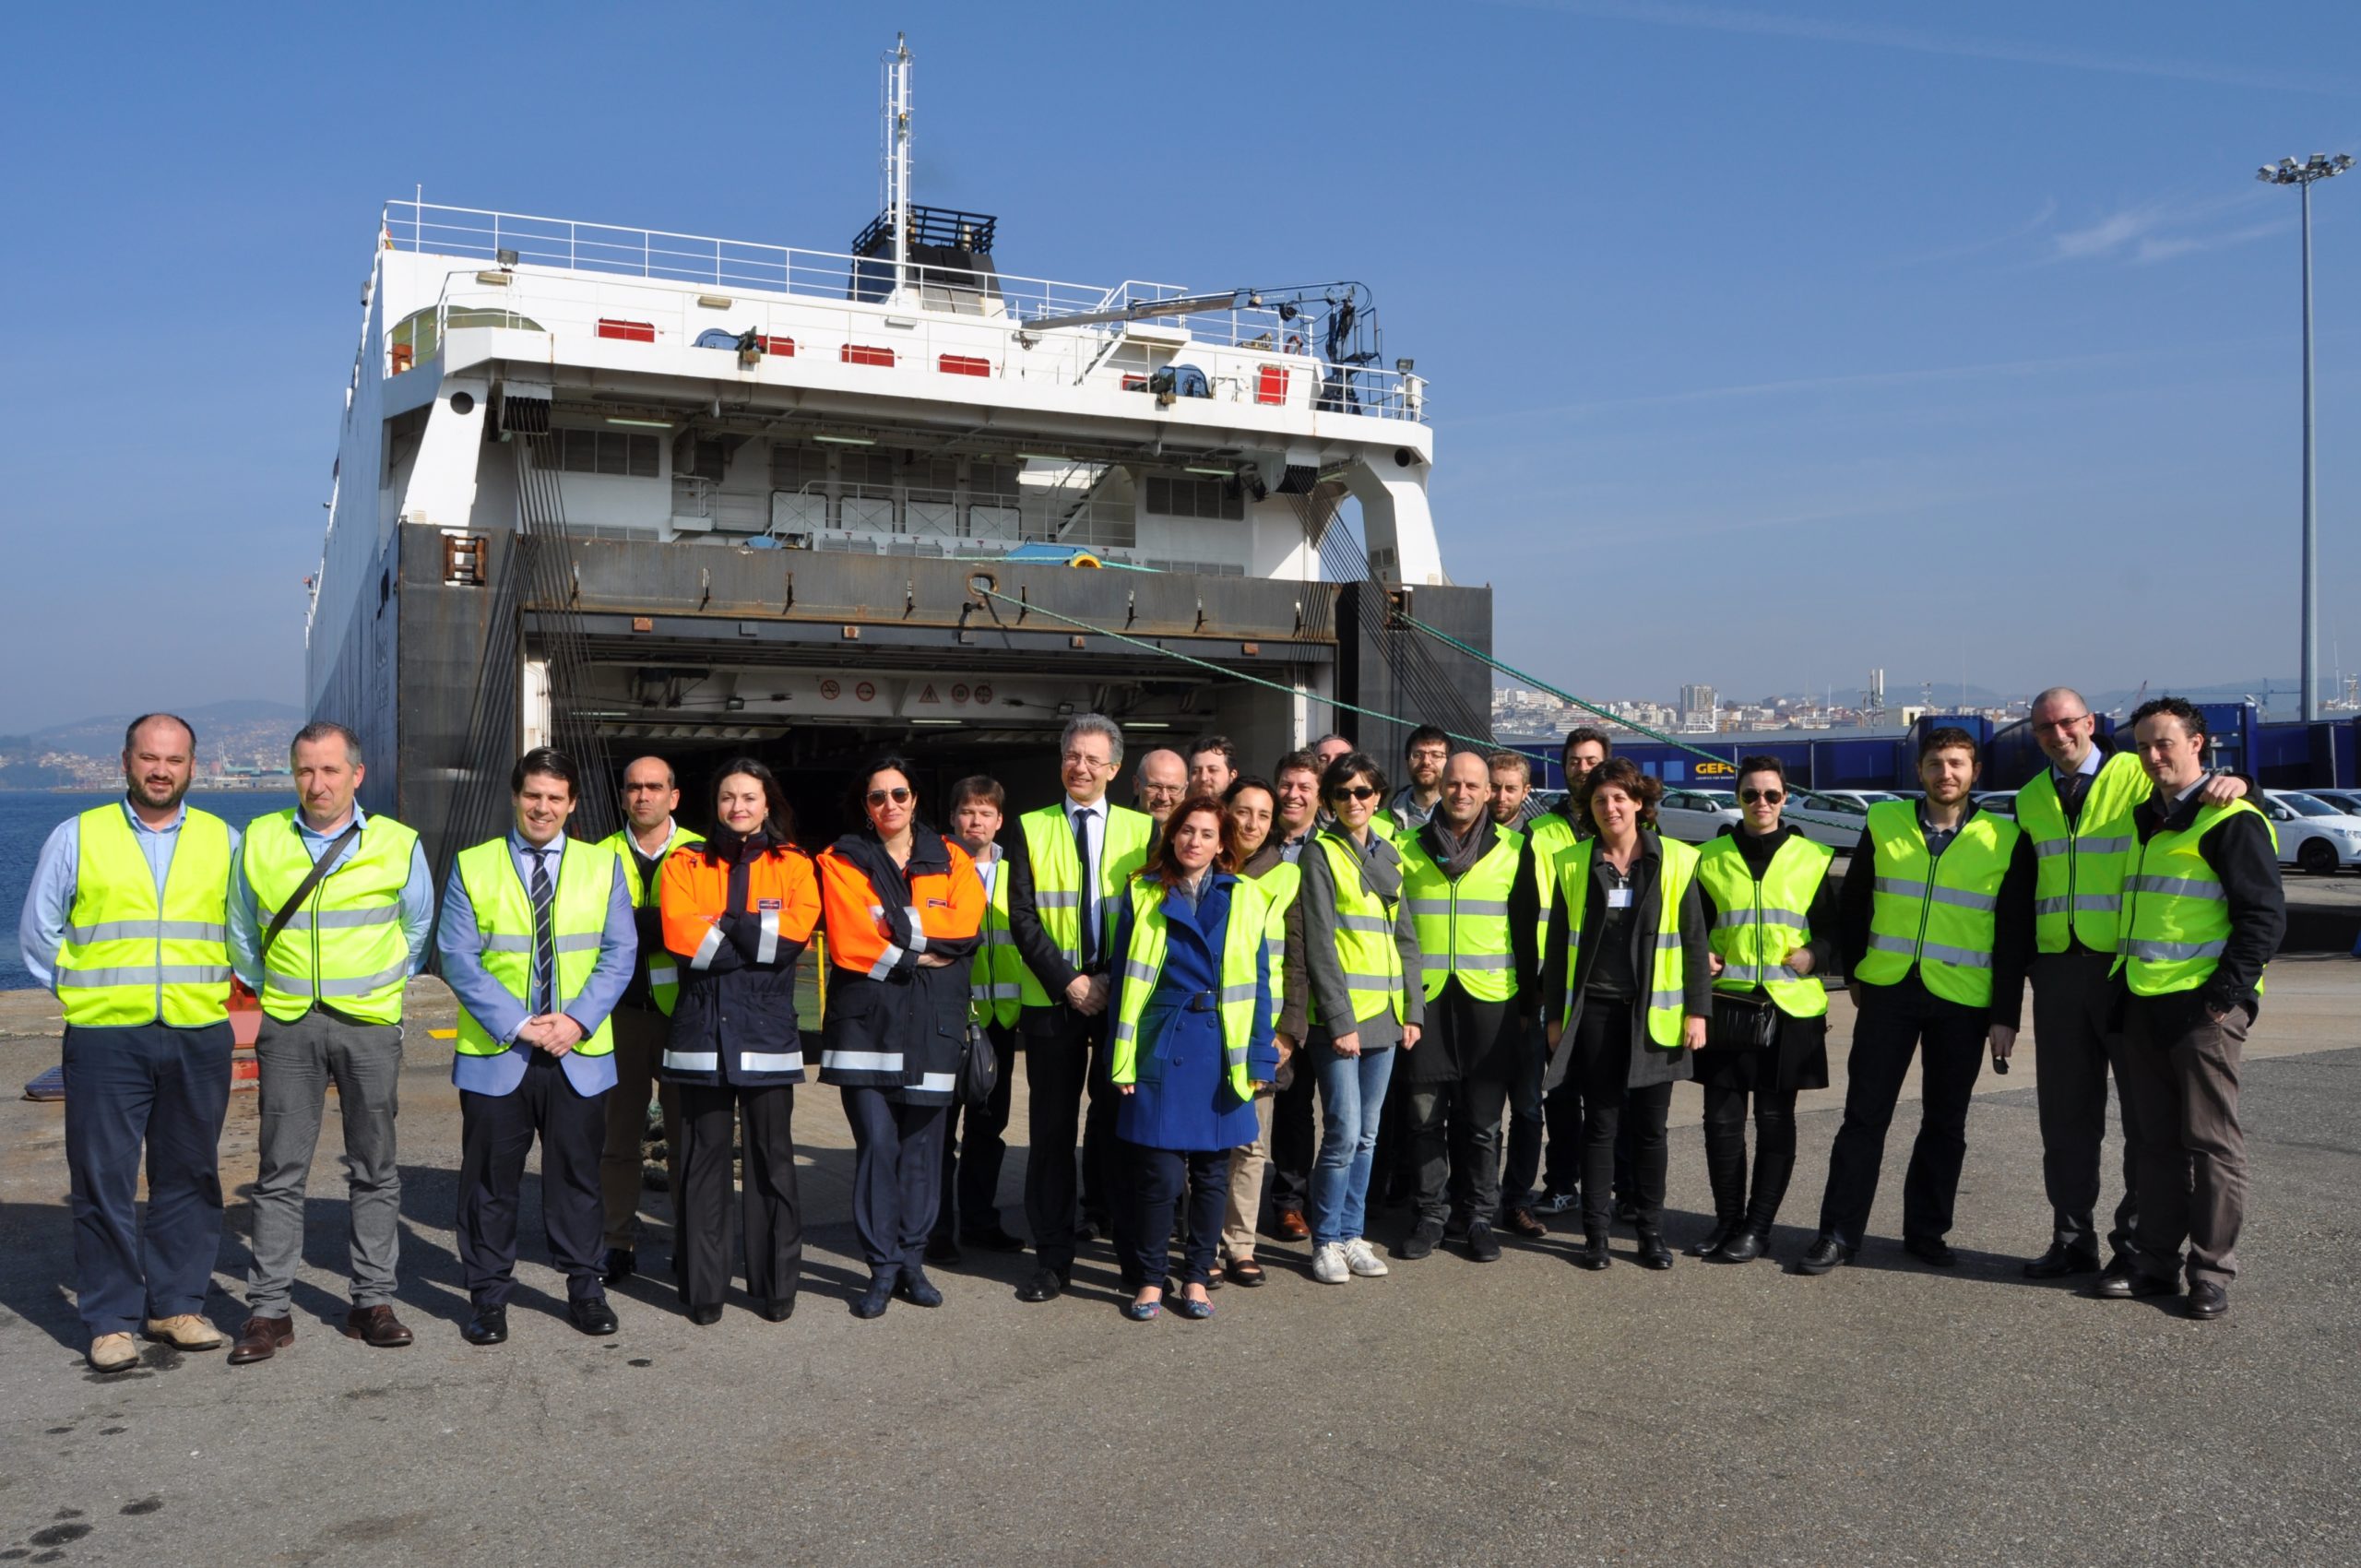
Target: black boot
[(1745, 1244), (1592, 1253), (1711, 1242), (1726, 1173), (1654, 1253)]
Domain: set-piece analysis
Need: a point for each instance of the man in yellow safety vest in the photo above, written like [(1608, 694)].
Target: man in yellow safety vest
[(128, 921)]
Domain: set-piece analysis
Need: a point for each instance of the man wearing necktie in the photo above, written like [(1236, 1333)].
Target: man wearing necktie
[(538, 942), (2079, 811), (1065, 866)]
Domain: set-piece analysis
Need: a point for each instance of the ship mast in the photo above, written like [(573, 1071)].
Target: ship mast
[(897, 157)]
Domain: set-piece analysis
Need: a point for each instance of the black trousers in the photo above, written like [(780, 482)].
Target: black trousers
[(1153, 1180), (1522, 1165), (974, 1146), (1065, 1063), (1894, 1022), (496, 1133), (1293, 1140), (707, 1245), (1453, 1128), (1603, 1061), (2072, 1003), (897, 1180), (1775, 1154), (1393, 1167)]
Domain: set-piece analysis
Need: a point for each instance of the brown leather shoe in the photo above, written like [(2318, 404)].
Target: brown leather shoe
[(1288, 1226), (1526, 1223), (375, 1325), (261, 1339)]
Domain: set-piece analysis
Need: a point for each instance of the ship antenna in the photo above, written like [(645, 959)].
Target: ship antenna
[(897, 156)]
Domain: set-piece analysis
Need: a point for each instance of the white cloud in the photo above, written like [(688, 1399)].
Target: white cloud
[(2161, 229)]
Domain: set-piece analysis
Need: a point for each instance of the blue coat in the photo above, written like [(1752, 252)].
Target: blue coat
[(1183, 1099)]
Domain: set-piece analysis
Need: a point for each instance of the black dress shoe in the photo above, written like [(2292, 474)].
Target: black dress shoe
[(1592, 1254), (1745, 1244), (999, 1238), (915, 1287), (488, 1327), (620, 1265), (872, 1302), (1722, 1231), (1654, 1253), (2120, 1267), (1420, 1242), (1933, 1252), (777, 1310), (1825, 1254), (1046, 1285), (2131, 1286), (1482, 1245), (2207, 1301), (2061, 1260), (941, 1249), (592, 1315), (706, 1318)]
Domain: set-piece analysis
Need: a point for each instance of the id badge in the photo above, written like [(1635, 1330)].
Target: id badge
[(1618, 897)]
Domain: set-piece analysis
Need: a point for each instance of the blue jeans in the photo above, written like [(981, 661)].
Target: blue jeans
[(1352, 1102)]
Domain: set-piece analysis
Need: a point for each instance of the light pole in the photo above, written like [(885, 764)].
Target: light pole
[(2287, 171)]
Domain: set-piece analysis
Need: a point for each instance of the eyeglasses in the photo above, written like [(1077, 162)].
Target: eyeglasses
[(899, 795), (1355, 792), (1084, 759), (1750, 796)]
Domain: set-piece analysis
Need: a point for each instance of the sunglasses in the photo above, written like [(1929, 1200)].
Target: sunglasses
[(1355, 792), (1750, 796), (899, 795)]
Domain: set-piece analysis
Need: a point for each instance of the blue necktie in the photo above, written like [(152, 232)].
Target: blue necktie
[(544, 939)]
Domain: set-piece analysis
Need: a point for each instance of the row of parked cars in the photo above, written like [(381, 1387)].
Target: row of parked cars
[(2320, 830)]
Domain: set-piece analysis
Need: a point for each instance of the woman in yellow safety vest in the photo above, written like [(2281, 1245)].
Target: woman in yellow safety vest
[(1625, 989), (1252, 805), (1770, 915), (1189, 1050), (1359, 944)]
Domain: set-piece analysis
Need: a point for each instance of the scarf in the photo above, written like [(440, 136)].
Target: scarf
[(729, 848), (1456, 854)]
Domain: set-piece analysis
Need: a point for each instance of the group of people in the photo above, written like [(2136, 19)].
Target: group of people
[(1246, 991)]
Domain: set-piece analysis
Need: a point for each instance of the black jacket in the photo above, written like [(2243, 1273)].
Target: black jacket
[(2240, 852), (2012, 941), (1651, 1063)]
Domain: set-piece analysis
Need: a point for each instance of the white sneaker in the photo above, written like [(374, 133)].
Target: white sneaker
[(1361, 1258), (1328, 1265)]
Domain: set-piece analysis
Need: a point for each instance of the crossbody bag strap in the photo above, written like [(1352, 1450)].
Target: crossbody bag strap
[(304, 890)]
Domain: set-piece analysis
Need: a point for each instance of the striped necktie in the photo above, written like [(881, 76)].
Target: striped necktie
[(544, 939)]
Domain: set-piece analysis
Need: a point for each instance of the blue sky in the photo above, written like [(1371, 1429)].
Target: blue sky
[(1778, 341)]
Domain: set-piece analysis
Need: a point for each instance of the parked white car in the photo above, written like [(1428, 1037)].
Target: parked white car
[(2313, 835), (1833, 817), (1695, 816)]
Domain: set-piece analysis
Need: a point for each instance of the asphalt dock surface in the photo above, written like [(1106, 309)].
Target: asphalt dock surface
[(1521, 1412)]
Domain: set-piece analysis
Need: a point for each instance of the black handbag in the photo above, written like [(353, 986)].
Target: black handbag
[(1742, 1022), (979, 1068)]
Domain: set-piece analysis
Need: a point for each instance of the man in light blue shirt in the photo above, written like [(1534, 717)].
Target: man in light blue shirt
[(142, 974), (541, 1084)]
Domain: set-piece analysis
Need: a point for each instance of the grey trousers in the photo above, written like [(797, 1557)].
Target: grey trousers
[(2072, 997), (297, 1062), (2182, 1074), (640, 1034)]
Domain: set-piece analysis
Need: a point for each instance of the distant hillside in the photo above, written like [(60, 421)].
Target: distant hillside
[(102, 735)]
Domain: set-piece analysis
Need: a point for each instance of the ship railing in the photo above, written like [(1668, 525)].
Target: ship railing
[(987, 519), (949, 320)]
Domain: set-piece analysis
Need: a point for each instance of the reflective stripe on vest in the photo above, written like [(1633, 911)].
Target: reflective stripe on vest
[(504, 910), (1758, 925), (662, 969), (1143, 966), (1463, 926), (2177, 918), (1366, 950), (131, 956), (2079, 870), (1668, 975), (1936, 911), (346, 946), (996, 975), (1057, 879)]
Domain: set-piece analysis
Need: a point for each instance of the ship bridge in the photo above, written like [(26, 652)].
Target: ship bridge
[(624, 489)]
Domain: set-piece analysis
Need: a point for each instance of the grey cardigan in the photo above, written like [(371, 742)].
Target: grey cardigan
[(1381, 874)]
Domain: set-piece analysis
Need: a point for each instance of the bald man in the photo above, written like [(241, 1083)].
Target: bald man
[(1160, 784), (643, 1019)]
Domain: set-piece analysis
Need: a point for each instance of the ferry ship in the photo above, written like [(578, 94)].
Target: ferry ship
[(624, 491)]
